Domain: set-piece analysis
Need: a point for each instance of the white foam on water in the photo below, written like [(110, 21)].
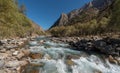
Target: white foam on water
[(61, 67), (56, 64), (93, 64)]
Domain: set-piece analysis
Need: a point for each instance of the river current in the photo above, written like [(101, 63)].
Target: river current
[(60, 58)]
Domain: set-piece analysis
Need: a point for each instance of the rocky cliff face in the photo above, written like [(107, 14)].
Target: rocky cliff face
[(84, 14), (62, 20)]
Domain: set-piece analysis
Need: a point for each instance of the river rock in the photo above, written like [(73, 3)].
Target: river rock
[(1, 63), (73, 57), (112, 60), (34, 71), (1, 43), (36, 55), (41, 41), (12, 64), (26, 52), (3, 71), (46, 56), (97, 72), (69, 62), (10, 71), (118, 48), (117, 59), (3, 50), (37, 65), (10, 46), (3, 56), (20, 43), (15, 53), (107, 46), (19, 69), (20, 55), (23, 63)]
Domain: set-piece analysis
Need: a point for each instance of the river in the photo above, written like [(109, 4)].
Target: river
[(60, 58)]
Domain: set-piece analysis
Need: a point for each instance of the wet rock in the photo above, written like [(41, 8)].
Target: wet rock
[(70, 62), (34, 71), (107, 46), (36, 56), (37, 65), (72, 57), (117, 59), (41, 41), (46, 56), (112, 60), (19, 69), (118, 48), (97, 72)]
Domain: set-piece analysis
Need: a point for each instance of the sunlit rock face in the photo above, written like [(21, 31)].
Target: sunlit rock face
[(62, 20)]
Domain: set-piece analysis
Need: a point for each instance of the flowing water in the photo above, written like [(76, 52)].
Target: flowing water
[(60, 58)]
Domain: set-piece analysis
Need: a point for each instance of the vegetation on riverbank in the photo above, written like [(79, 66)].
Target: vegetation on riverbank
[(13, 22)]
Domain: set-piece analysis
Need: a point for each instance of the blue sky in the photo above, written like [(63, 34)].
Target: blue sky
[(46, 12)]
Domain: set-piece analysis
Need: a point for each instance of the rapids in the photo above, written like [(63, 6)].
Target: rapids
[(60, 58)]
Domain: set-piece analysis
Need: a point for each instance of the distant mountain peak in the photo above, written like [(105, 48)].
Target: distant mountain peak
[(92, 8)]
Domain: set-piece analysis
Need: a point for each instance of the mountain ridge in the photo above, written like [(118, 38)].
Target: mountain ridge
[(96, 5), (96, 17)]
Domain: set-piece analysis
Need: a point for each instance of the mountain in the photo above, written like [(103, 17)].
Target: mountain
[(96, 17), (14, 23), (90, 10)]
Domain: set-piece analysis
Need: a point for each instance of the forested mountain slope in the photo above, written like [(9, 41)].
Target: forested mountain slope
[(96, 17), (14, 23)]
